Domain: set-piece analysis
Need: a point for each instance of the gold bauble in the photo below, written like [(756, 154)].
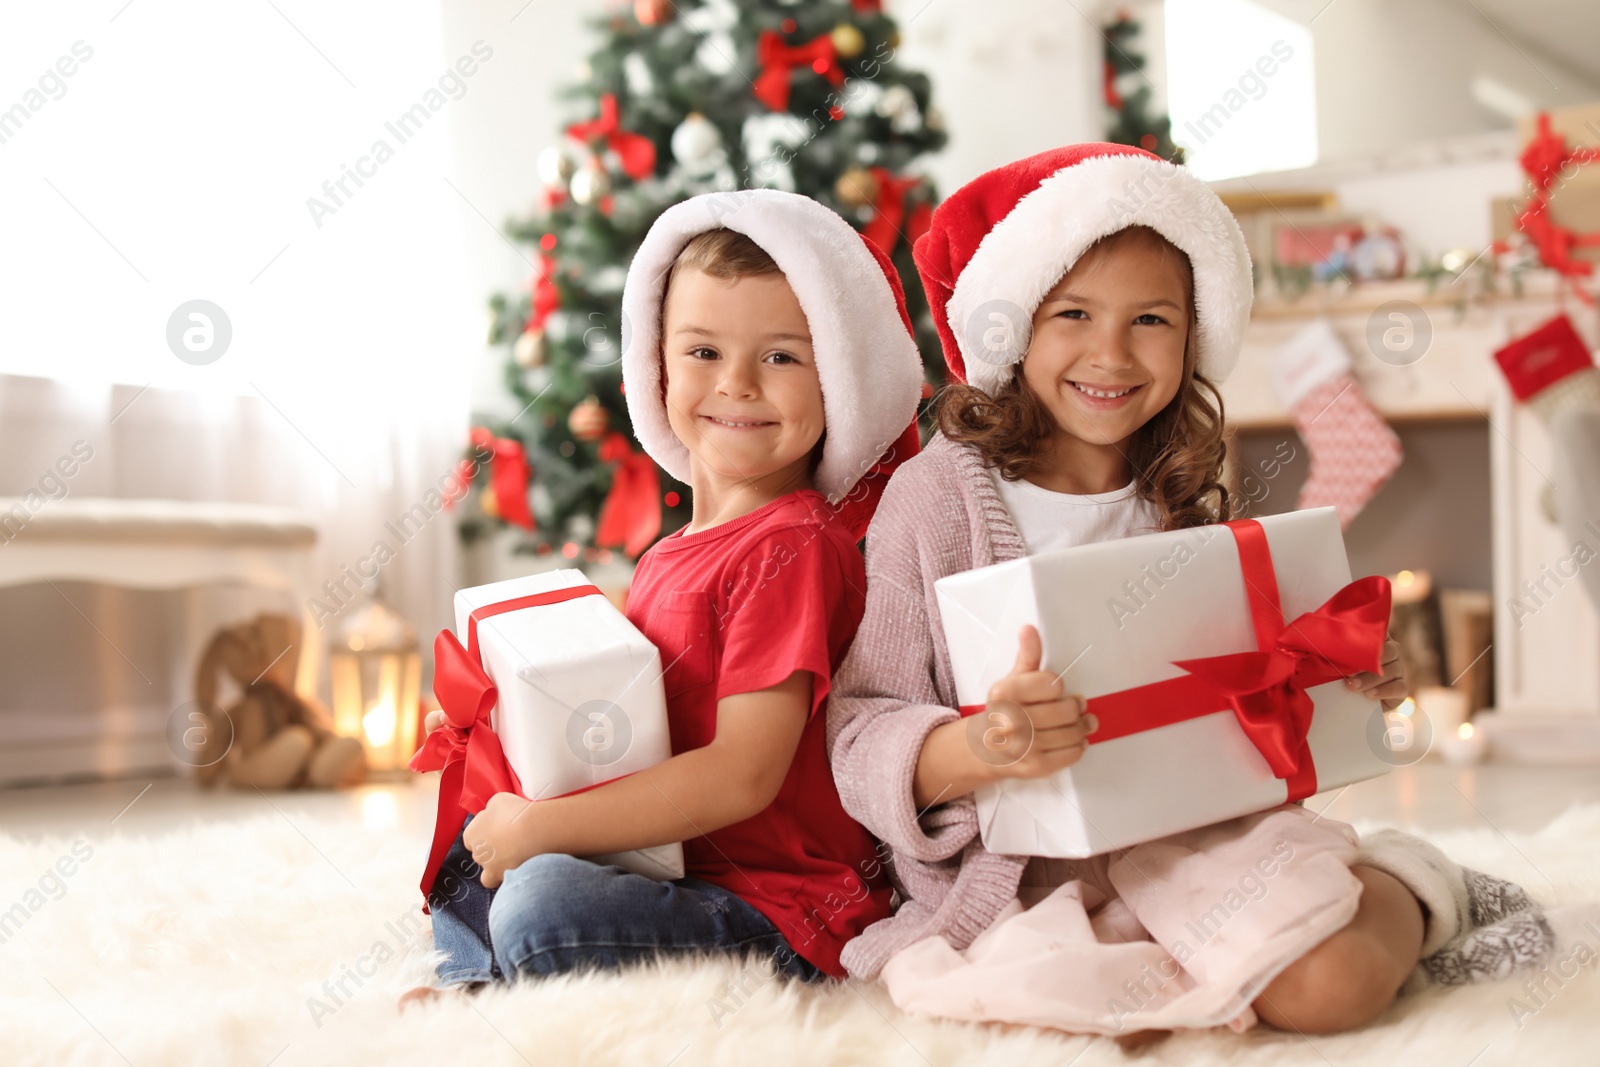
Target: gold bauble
[(847, 40), (490, 506), (531, 348), (856, 187)]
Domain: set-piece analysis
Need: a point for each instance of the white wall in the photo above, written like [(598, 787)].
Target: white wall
[(499, 129), (1391, 73)]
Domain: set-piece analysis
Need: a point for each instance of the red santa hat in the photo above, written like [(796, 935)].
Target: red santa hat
[(1000, 243), (867, 359)]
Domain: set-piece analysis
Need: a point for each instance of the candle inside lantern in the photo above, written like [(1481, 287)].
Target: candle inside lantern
[(1465, 746)]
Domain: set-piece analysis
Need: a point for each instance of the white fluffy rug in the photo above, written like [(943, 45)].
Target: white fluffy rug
[(226, 945)]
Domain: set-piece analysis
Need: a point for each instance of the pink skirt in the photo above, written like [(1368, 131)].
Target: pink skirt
[(1179, 933)]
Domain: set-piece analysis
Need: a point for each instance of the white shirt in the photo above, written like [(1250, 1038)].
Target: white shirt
[(1049, 520)]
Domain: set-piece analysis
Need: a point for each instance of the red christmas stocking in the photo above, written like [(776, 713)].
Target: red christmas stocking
[(1353, 451), (1552, 372)]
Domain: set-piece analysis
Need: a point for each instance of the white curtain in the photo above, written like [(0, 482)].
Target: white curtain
[(176, 162)]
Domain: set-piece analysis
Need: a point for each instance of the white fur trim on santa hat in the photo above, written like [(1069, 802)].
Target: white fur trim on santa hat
[(1025, 254), (870, 370)]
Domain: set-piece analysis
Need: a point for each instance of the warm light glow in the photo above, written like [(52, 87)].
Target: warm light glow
[(378, 809), (1465, 731), (1404, 578), (379, 724), (1406, 708)]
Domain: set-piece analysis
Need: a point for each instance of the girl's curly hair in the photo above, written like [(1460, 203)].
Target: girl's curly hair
[(1177, 456)]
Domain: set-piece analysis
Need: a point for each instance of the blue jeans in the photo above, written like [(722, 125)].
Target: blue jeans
[(556, 913)]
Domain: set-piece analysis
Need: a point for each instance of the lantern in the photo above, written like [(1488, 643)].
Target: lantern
[(376, 672)]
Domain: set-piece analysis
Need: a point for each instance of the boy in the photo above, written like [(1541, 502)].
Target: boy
[(771, 367)]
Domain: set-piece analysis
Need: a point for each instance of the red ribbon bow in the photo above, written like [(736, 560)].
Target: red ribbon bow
[(1544, 161), (467, 749), (508, 476), (635, 151), (1266, 688), (631, 515), (889, 210), (777, 60), (545, 296)]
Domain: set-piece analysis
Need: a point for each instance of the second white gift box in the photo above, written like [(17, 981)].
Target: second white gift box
[(580, 698), (1118, 616)]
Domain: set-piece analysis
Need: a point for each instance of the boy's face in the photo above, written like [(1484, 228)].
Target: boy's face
[(741, 379), (1116, 325)]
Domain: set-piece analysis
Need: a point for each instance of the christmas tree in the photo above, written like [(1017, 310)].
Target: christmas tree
[(681, 99), (1131, 122)]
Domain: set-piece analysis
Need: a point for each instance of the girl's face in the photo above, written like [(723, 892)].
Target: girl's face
[(1109, 339), (742, 389)]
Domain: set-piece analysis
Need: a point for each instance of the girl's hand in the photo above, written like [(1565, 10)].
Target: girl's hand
[(500, 838), (1030, 727), (434, 720), (1390, 686)]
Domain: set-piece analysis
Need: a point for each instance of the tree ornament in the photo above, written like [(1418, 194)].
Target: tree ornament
[(556, 166), (487, 502), (856, 187), (589, 420), (531, 349), (652, 12), (697, 145), (591, 184), (899, 105), (847, 40)]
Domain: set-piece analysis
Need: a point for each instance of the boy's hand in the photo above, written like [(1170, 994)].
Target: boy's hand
[(1030, 727), (500, 837), (1390, 686)]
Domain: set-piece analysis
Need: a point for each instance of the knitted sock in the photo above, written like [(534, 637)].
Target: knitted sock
[(1353, 451), (1551, 370), (1476, 927)]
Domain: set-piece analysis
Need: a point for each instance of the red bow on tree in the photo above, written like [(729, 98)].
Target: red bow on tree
[(508, 476), (546, 297), (889, 211), (631, 516), (636, 152), (777, 60)]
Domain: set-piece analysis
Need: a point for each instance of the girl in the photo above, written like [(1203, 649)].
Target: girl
[(1089, 297), (770, 365)]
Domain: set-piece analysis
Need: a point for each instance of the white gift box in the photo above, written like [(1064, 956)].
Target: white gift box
[(580, 699), (1117, 615)]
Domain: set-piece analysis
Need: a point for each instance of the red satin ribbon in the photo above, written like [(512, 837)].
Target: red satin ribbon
[(777, 60), (508, 476), (466, 749), (1266, 689), (631, 515), (635, 151)]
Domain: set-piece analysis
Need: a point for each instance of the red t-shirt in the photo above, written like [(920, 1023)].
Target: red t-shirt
[(738, 608)]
